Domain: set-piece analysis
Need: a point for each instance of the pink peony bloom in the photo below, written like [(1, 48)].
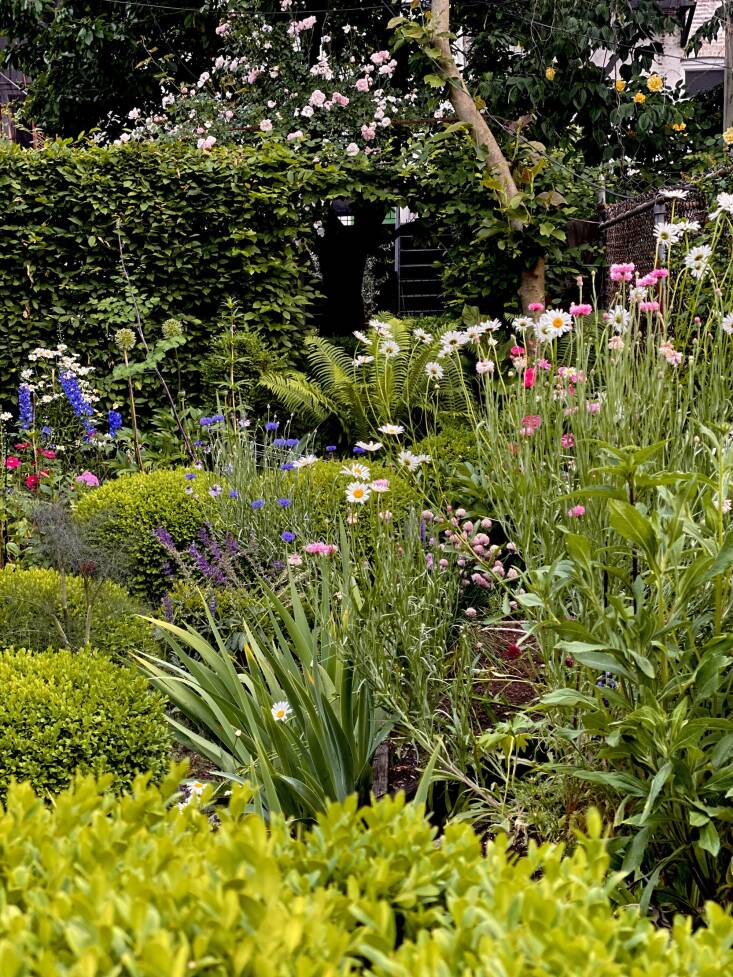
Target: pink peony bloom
[(87, 478), (368, 132)]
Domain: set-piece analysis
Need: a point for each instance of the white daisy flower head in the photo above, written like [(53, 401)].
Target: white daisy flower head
[(362, 337), (697, 260), (474, 333), (674, 194), (619, 317), (484, 367), (389, 349), (394, 429), (357, 493), (423, 336), (725, 205), (637, 293), (371, 446), (667, 234), (688, 226), (305, 460), (281, 711), (553, 324), (434, 371), (522, 323), (363, 360), (357, 470), (382, 329), (726, 323), (489, 325), (408, 459), (452, 340)]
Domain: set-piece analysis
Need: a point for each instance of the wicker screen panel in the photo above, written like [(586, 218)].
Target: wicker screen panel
[(631, 238)]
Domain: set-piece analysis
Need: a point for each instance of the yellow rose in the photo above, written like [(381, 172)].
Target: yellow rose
[(550, 73), (655, 83), (640, 98), (728, 136), (619, 85)]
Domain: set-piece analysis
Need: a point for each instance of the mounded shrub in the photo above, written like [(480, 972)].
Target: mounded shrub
[(32, 614), (63, 711), (125, 512), (101, 885)]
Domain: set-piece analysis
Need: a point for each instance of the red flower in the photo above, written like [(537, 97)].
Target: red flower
[(512, 652), (23, 446), (48, 453), (32, 482), (12, 462)]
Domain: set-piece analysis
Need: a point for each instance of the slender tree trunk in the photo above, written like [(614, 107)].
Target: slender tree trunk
[(532, 287)]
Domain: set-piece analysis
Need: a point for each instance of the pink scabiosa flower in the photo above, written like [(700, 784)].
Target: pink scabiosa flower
[(380, 485), (623, 272), (581, 309), (660, 273), (577, 512), (517, 351), (671, 355)]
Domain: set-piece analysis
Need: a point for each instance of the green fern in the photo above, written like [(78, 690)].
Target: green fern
[(384, 390)]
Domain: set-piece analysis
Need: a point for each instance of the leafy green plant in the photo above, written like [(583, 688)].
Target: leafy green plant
[(39, 608), (384, 382), (62, 712), (642, 629), (368, 891), (294, 718), (123, 514)]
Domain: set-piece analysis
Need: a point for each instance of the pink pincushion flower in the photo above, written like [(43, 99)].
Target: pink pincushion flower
[(321, 549), (380, 485), (517, 351), (580, 310), (535, 307), (647, 281), (87, 478), (576, 512), (544, 364), (660, 273), (623, 272), (529, 378)]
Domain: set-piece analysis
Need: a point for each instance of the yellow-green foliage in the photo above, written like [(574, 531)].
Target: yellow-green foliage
[(98, 885), (124, 513), (63, 711), (32, 614)]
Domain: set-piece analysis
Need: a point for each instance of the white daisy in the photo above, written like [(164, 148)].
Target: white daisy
[(409, 460), (363, 360), (522, 323), (424, 337), (381, 328), (357, 493), (619, 317), (726, 323), (725, 205), (304, 461), (697, 259), (434, 371), (369, 445), (555, 322), (490, 325), (675, 194), (668, 234), (688, 226), (451, 342), (474, 333), (281, 711), (361, 336), (357, 470), (391, 429), (389, 349)]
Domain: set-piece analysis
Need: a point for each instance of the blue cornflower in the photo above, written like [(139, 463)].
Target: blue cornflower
[(358, 450), (287, 536), (46, 431), (284, 503), (330, 447), (258, 504), (279, 442), (197, 444), (190, 476), (214, 419), (215, 491), (25, 407), (72, 392), (115, 422), (272, 425), (287, 467), (234, 494), (292, 442)]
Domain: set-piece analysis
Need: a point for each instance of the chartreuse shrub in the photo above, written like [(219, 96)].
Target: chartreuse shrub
[(63, 711), (124, 514), (99, 885), (39, 608)]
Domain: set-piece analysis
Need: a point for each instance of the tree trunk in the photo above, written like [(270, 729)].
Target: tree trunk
[(532, 287)]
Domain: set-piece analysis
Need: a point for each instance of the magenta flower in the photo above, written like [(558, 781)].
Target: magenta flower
[(580, 310), (577, 512), (87, 478)]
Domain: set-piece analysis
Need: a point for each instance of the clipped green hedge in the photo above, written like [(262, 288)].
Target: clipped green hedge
[(124, 513), (196, 227), (63, 711), (99, 885), (32, 615)]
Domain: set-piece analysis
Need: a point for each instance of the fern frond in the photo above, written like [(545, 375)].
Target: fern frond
[(299, 395)]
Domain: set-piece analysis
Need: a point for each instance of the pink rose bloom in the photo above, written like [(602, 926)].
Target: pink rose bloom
[(576, 512), (340, 99), (362, 85), (535, 307), (317, 98), (529, 378), (352, 149), (87, 478), (368, 132), (266, 125), (581, 310)]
